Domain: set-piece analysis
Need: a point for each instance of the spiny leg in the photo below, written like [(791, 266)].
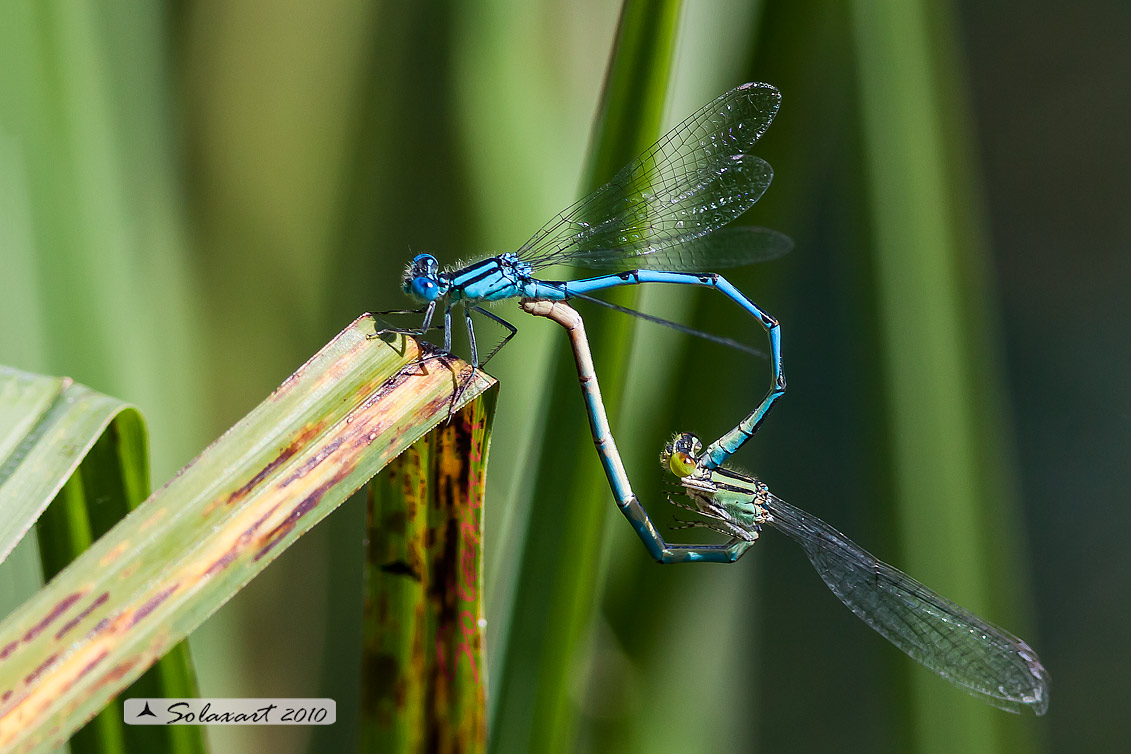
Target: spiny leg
[(463, 382), (511, 332), (667, 552), (425, 326), (446, 352), (471, 338), (725, 529), (476, 363), (428, 312), (684, 523), (421, 310), (448, 332)]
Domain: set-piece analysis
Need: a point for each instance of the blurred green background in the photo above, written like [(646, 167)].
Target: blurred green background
[(195, 196)]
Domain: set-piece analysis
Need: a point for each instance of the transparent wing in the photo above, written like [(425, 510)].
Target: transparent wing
[(696, 178), (977, 656), (719, 250)]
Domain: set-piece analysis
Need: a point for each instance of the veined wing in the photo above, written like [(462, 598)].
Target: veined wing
[(696, 178), (718, 250), (971, 653)]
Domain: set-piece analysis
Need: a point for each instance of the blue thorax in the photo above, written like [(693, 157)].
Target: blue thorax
[(490, 279)]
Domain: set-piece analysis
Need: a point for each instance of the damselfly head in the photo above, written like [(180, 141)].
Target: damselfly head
[(680, 456), (422, 279)]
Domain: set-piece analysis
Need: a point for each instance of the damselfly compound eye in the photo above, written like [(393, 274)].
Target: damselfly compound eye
[(681, 464), (424, 288)]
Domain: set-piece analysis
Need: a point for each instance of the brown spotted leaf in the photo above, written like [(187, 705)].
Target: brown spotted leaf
[(424, 666), (194, 543)]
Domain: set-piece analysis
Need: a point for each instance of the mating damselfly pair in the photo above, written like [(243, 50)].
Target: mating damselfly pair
[(986, 661), (660, 220)]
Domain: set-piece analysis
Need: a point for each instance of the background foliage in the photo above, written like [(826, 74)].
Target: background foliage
[(193, 197)]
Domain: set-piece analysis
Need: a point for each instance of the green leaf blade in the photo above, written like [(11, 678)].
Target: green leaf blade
[(50, 425), (560, 583), (952, 484)]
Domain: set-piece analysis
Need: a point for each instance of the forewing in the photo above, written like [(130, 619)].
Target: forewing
[(695, 179), (975, 655)]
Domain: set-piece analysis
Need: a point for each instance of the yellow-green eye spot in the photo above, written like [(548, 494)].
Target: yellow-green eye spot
[(681, 464)]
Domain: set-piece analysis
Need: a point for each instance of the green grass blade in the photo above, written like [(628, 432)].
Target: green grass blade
[(193, 544), (559, 586), (650, 611), (49, 424), (85, 454), (424, 663), (93, 236), (950, 481), (636, 87)]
